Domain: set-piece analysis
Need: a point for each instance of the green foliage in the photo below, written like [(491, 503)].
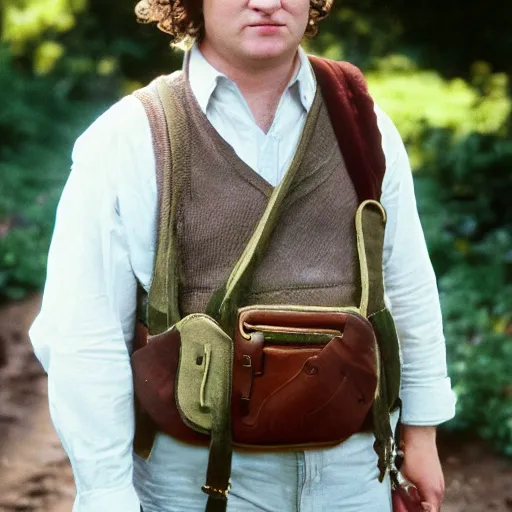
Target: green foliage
[(25, 20), (412, 96), (445, 35), (61, 65), (38, 125), (415, 99), (463, 192), (353, 34)]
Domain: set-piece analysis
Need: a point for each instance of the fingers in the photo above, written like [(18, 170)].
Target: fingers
[(433, 498)]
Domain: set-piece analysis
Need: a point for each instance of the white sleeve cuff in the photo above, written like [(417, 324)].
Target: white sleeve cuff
[(429, 404), (114, 500)]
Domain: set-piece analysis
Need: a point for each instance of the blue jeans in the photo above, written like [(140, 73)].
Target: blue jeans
[(339, 479)]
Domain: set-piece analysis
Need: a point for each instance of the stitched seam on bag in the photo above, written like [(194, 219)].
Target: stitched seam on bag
[(377, 312)]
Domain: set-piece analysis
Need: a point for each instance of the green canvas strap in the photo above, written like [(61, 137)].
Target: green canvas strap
[(370, 225), (224, 304), (178, 134), (203, 396), (163, 312), (163, 309), (370, 229)]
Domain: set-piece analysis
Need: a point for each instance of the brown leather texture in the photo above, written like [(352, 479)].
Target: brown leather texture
[(154, 367), (301, 395), (285, 395)]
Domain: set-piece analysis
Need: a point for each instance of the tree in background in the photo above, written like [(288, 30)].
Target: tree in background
[(441, 69)]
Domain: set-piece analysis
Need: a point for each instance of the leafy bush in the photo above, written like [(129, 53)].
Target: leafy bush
[(416, 99), (63, 75), (38, 125), (464, 188)]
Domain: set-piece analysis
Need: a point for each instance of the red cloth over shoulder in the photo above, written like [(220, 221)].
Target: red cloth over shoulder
[(352, 114)]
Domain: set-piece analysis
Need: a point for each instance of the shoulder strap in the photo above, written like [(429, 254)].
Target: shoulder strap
[(351, 110), (162, 306), (353, 118), (155, 113), (145, 429), (224, 303), (152, 104)]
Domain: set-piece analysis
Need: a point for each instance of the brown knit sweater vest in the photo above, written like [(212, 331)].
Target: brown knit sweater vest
[(311, 258)]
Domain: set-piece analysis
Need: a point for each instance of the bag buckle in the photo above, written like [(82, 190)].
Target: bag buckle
[(216, 493)]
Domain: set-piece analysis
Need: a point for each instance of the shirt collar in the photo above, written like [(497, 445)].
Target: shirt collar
[(204, 78)]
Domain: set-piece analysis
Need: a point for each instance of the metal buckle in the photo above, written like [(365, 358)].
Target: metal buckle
[(216, 493)]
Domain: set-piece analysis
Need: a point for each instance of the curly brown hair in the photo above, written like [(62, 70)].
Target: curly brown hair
[(183, 19)]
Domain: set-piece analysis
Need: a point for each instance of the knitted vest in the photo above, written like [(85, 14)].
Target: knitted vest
[(211, 202), (311, 258)]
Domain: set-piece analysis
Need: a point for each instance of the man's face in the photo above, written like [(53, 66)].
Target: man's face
[(255, 29)]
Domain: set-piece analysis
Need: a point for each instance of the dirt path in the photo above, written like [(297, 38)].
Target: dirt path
[(35, 474), (476, 479), (34, 470)]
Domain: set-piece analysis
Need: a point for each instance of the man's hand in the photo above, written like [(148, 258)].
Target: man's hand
[(422, 466)]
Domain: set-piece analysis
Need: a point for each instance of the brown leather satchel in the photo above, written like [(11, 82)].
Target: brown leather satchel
[(155, 368), (301, 378), (294, 378)]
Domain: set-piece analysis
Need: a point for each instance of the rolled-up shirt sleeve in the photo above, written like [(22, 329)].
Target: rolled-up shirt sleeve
[(412, 294), (83, 332)]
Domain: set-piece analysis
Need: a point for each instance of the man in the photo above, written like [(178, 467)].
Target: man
[(253, 82)]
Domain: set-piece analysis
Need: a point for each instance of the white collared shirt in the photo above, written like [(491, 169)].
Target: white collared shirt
[(104, 240), (269, 154)]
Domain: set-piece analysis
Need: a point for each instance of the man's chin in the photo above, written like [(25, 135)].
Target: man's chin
[(266, 50)]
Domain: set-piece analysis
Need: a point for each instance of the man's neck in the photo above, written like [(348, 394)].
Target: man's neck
[(261, 84)]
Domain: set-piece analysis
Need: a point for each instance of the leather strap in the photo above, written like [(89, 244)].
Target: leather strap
[(370, 224), (219, 461), (203, 394)]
